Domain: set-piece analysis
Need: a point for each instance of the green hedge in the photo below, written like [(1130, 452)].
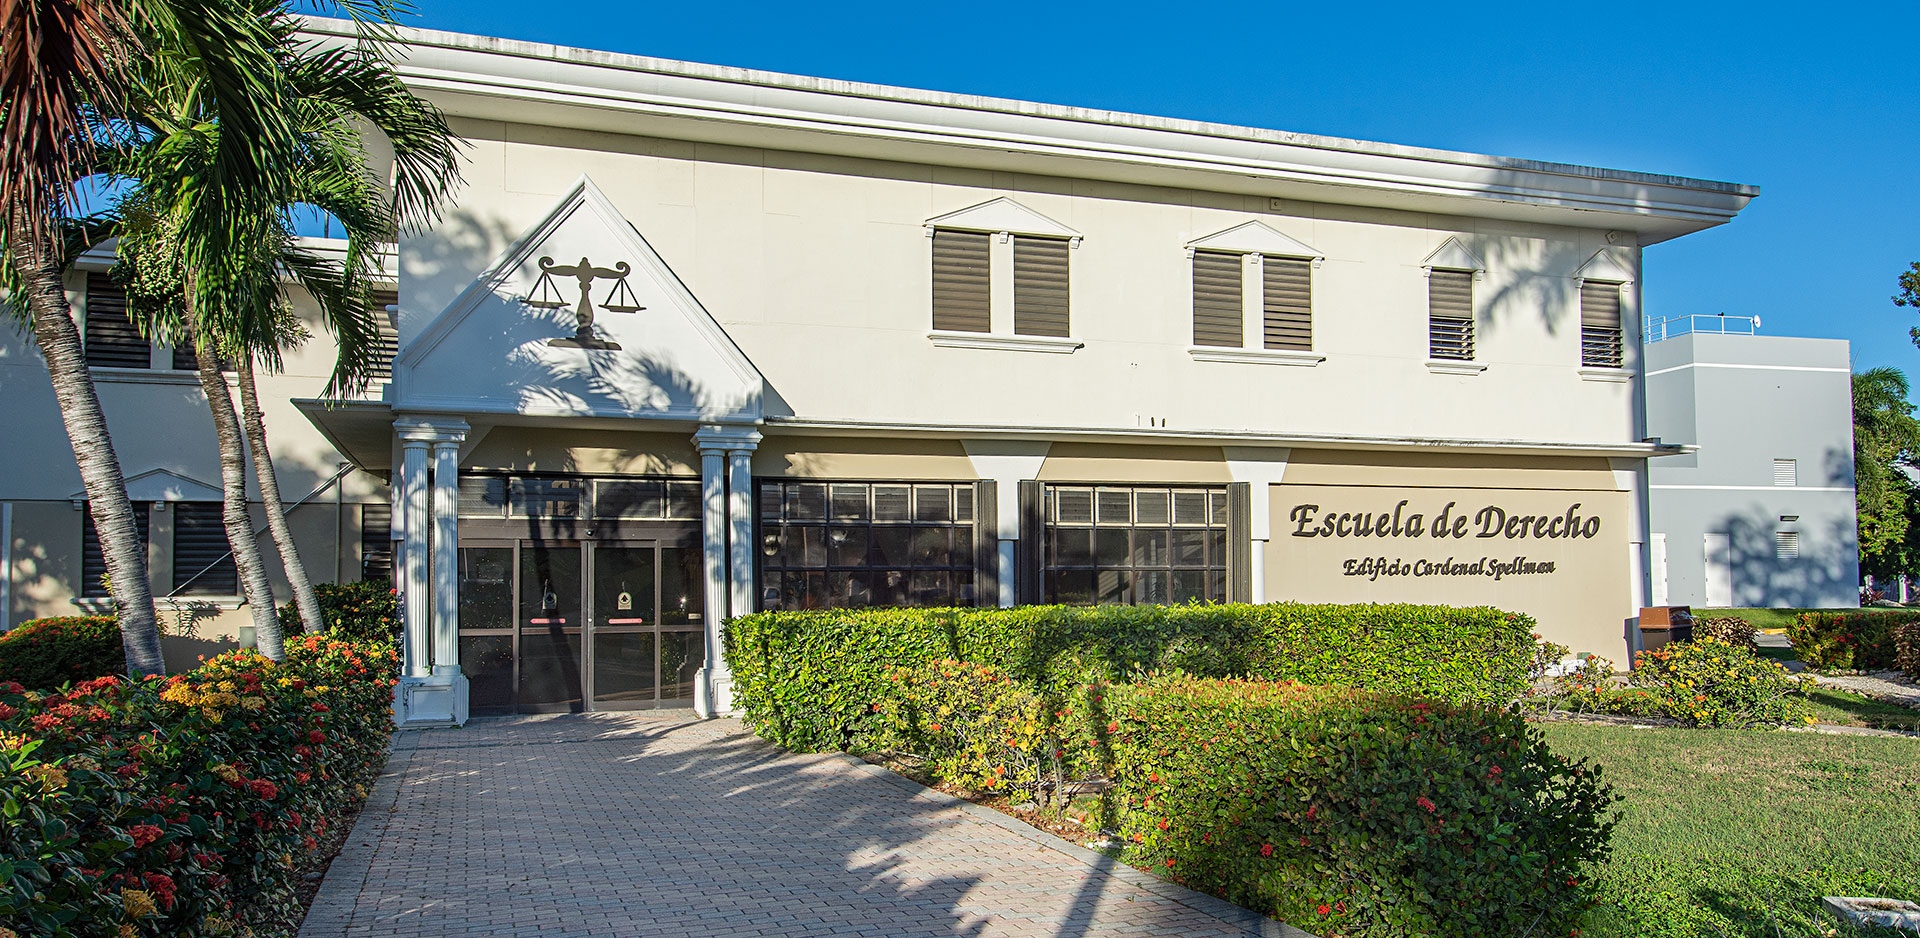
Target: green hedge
[(363, 610), (810, 680), (1906, 646), (46, 653), (1354, 813), (1847, 640), (185, 805)]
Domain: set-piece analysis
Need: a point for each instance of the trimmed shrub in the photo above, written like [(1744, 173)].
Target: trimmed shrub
[(1906, 647), (46, 653), (1730, 629), (809, 680), (185, 805), (1847, 640), (362, 611), (1356, 813)]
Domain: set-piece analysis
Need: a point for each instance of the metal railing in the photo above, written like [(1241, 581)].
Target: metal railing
[(1719, 324)]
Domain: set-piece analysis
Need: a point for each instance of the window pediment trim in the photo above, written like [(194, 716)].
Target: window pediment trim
[(1002, 216), (1256, 237), (1607, 265), (1452, 255), (164, 485)]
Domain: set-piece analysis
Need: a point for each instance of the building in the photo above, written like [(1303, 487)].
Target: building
[(1762, 513), (695, 341)]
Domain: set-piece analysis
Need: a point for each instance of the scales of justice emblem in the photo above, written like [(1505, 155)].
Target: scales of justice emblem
[(620, 299)]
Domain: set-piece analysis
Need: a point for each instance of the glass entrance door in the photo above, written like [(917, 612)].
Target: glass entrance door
[(556, 626), (647, 630)]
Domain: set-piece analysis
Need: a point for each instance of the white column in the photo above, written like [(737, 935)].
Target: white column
[(740, 532), (416, 590), (446, 556), (713, 529), (726, 483), (1262, 468), (6, 566)]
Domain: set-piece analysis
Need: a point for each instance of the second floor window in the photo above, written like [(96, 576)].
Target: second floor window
[(1600, 334), (112, 340), (962, 295), (1450, 315), (1039, 286), (1285, 300)]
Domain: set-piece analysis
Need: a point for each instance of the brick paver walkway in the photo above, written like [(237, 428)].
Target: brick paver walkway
[(660, 825)]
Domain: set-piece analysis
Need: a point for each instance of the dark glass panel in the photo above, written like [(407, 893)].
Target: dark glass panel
[(807, 502), (681, 654), (891, 546), (1189, 508), (1110, 547), (683, 501), (1189, 585), (932, 546), (933, 503), (1152, 586), (849, 502), (622, 585), (892, 503), (1070, 586), (486, 589), (1150, 547), (544, 498), (487, 661), (1073, 547), (683, 595), (1112, 586), (1216, 548), (847, 547), (629, 499), (549, 626), (1189, 548), (623, 668)]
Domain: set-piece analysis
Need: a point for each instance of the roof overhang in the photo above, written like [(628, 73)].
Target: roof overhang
[(556, 86), (790, 426), (360, 430)]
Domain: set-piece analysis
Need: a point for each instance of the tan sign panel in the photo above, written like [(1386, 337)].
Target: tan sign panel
[(1559, 556)]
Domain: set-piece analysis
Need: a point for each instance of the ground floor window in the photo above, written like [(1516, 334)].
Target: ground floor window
[(828, 545), (1133, 544), (93, 560)]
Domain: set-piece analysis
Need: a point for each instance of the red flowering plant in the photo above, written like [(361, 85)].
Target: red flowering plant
[(45, 653), (1355, 813), (185, 805)]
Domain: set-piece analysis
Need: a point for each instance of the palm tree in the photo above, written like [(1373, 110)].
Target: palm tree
[(65, 70), (333, 94)]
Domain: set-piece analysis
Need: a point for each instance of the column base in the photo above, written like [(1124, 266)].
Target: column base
[(430, 702), (722, 693), (702, 694)]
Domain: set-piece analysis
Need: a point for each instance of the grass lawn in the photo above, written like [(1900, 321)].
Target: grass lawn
[(1740, 832), (1773, 618), (1831, 705)]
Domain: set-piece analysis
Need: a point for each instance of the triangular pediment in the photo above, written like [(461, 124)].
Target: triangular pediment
[(165, 485), (1610, 265), (1255, 237), (1452, 255), (512, 342), (1002, 214)]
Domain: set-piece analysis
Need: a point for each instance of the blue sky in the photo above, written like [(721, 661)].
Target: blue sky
[(1818, 109)]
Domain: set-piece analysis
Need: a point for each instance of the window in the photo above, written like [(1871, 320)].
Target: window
[(1786, 544), (1040, 286), (826, 545), (93, 561), (388, 339), (202, 559), (621, 499), (1786, 472), (1217, 311), (1118, 544), (1287, 304), (1450, 314), (1001, 275), (1600, 335), (962, 299), (376, 542), (111, 339)]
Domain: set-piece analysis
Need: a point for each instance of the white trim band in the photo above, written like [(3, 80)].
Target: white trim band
[(1749, 368), (1757, 488), (1254, 356)]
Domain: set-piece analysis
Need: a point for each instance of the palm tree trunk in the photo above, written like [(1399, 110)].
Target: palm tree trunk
[(59, 341), (255, 423), (239, 524)]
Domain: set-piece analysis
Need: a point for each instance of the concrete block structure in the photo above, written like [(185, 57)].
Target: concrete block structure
[(694, 341), (1762, 513)]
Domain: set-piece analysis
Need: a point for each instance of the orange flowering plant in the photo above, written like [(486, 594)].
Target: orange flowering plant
[(185, 805), (1708, 682)]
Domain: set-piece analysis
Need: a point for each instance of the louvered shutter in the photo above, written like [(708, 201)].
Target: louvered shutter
[(111, 339), (961, 294), (1600, 338), (1786, 472), (1040, 286), (376, 542), (1288, 303), (1450, 314), (93, 560), (1216, 298), (388, 340), (202, 559)]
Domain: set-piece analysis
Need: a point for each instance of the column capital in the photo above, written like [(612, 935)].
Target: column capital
[(717, 439), (415, 428)]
